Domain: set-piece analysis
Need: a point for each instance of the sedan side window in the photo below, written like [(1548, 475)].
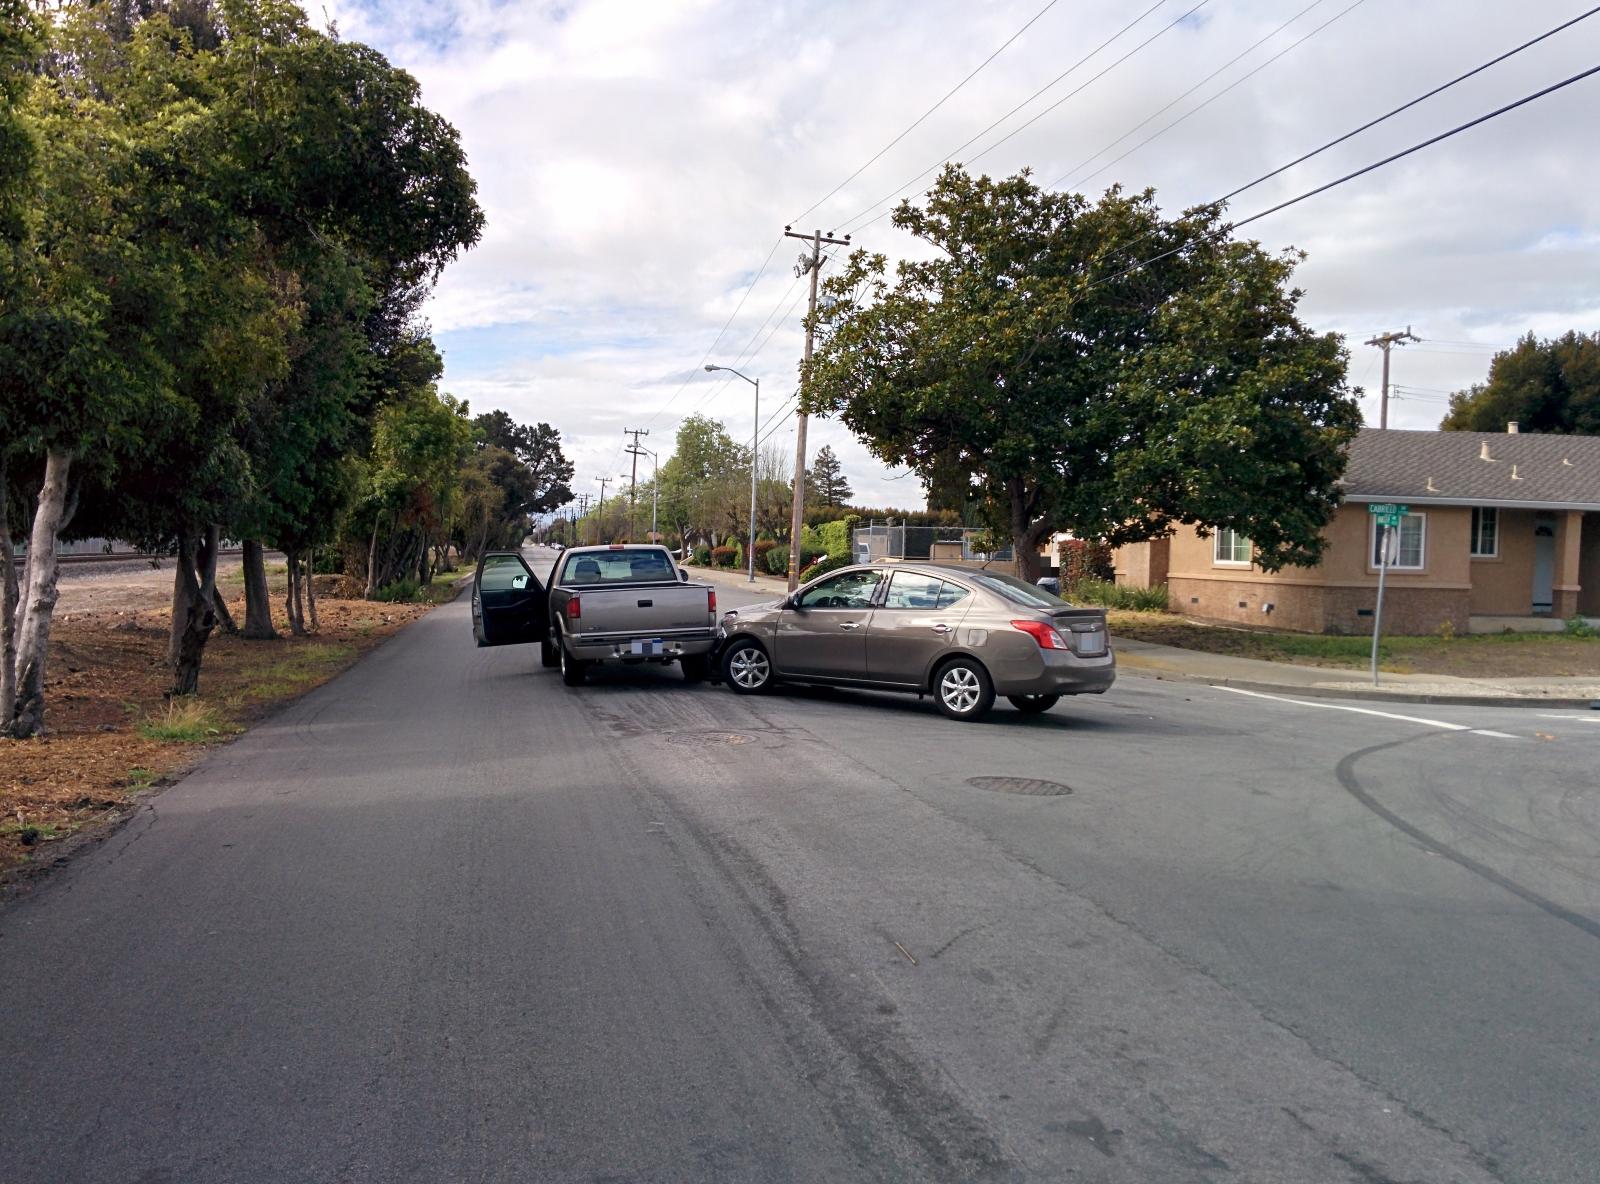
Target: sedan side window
[(952, 594), (850, 589), (909, 589)]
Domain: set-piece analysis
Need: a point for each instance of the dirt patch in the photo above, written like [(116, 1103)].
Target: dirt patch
[(106, 714), (1491, 655)]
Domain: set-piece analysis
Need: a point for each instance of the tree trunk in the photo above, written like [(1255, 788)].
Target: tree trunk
[(257, 604), (372, 559), (297, 618), (196, 589), (311, 589), (224, 615), (11, 599), (1025, 533), (38, 601)]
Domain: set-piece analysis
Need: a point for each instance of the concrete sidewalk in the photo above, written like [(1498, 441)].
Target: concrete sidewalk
[(1283, 678)]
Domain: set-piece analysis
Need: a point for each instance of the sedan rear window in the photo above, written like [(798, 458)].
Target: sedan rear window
[(626, 565), (1016, 591)]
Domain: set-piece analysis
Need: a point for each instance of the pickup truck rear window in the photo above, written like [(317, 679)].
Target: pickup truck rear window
[(627, 566)]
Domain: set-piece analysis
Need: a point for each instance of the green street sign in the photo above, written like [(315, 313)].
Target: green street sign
[(1387, 509)]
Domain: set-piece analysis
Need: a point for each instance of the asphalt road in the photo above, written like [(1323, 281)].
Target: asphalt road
[(447, 920)]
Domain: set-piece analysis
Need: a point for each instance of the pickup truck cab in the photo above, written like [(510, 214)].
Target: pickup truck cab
[(629, 603)]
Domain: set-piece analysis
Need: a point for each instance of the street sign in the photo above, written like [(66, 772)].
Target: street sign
[(1387, 513)]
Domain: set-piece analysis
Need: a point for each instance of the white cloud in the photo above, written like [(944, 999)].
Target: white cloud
[(638, 158)]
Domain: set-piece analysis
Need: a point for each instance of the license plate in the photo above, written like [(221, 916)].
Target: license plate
[(648, 647)]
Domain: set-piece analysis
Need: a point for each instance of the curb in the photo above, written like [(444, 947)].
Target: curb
[(1364, 694)]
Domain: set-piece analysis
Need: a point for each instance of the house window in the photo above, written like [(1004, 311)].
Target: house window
[(1230, 548), (1408, 549), (1485, 532)]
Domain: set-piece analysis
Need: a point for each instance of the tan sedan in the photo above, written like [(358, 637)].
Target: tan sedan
[(959, 634)]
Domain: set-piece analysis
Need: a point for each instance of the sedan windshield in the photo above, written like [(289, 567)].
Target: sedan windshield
[(624, 565), (1015, 590)]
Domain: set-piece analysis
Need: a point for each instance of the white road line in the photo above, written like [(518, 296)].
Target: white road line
[(1582, 719), (1410, 719)]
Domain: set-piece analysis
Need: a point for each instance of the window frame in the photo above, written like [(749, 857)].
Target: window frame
[(1216, 548), (1422, 544), (834, 578), (1476, 532)]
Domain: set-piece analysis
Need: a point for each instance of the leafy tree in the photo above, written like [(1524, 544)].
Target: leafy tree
[(705, 482), (826, 480), (1544, 386), (1075, 392)]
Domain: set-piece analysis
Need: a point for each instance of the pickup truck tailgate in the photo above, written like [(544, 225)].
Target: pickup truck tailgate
[(642, 610)]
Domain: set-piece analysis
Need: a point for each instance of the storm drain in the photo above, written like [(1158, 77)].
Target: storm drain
[(1029, 787), (700, 739)]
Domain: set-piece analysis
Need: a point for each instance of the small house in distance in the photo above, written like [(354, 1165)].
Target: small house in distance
[(1503, 531)]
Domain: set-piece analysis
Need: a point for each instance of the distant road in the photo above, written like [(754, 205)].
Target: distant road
[(447, 920)]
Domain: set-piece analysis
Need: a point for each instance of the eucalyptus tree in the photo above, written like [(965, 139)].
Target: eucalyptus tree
[(1091, 366)]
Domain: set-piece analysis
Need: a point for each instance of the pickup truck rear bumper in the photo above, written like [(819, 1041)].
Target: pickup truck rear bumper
[(615, 648)]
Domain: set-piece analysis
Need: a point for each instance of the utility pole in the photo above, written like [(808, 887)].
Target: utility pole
[(655, 486), (811, 262), (633, 477), (1386, 342), (600, 517)]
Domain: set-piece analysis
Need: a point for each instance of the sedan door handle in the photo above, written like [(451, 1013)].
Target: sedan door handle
[(941, 627), (849, 624)]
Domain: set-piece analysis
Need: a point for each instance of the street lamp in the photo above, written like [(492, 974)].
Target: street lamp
[(755, 445)]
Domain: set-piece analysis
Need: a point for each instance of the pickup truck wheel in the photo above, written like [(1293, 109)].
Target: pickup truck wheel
[(696, 667), (746, 667), (548, 657), (963, 689), (573, 671)]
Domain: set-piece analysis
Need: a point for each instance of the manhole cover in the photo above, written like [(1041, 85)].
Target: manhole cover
[(700, 739), (1030, 787)]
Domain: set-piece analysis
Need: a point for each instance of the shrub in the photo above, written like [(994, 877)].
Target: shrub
[(777, 559), (1108, 595), (1085, 559), (725, 556), (824, 566), (400, 592), (701, 556), (763, 546), (835, 537), (1578, 627)]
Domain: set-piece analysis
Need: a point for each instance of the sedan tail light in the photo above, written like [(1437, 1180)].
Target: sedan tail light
[(1042, 632), (574, 609)]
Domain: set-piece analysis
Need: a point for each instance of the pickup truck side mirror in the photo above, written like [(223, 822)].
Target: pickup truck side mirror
[(683, 574)]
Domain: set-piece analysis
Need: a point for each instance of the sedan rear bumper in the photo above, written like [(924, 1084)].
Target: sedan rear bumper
[(1058, 672)]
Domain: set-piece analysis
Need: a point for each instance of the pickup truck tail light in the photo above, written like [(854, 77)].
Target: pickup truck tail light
[(711, 601), (1042, 632), (574, 609)]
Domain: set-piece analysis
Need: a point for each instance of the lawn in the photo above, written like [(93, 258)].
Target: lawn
[(1485, 655)]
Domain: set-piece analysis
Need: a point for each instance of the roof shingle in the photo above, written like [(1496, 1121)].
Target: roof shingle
[(1480, 468)]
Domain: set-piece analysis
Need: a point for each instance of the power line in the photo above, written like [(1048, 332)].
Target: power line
[(1059, 77), (918, 121), (1202, 106), (1378, 164), (1419, 99)]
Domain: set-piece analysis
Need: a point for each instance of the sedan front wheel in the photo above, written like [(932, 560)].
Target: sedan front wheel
[(747, 668)]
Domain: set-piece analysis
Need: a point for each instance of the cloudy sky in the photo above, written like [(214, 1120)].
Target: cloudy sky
[(638, 160)]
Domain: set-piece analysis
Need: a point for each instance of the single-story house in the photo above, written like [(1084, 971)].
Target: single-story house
[(1502, 531)]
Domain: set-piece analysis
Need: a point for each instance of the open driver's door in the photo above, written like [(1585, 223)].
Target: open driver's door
[(509, 604)]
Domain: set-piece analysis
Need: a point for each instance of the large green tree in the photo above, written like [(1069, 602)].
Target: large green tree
[(1550, 385), (1073, 390), (705, 482), (827, 481)]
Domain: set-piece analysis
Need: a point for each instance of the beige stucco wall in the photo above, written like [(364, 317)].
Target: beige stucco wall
[(1503, 586), (1142, 565)]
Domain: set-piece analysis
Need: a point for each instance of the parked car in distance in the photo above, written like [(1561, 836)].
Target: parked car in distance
[(628, 603), (959, 634)]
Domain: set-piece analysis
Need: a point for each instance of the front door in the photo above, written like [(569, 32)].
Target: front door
[(825, 633), (913, 625), (1544, 564), (509, 605)]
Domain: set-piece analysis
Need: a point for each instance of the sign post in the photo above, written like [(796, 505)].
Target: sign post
[(1387, 516)]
